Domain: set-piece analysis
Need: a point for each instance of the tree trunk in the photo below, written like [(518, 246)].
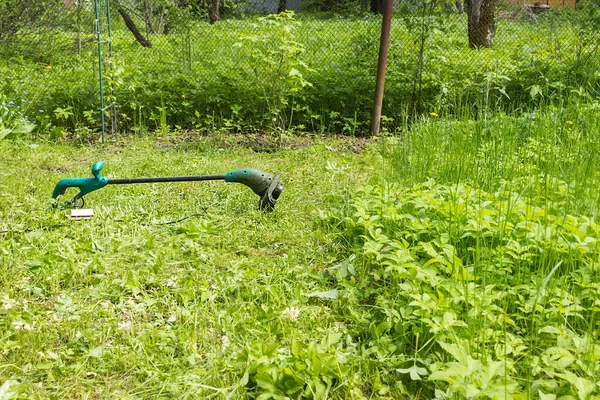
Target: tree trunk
[(482, 24), (213, 10), (148, 16), (78, 18), (131, 26), (460, 7), (282, 6), (377, 6)]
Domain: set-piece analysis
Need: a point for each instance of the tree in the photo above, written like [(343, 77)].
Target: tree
[(26, 27), (155, 14), (282, 6), (377, 6), (482, 22), (460, 7), (131, 26), (213, 10), (30, 15), (148, 16)]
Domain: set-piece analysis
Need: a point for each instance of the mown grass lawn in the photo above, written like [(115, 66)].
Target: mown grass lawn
[(125, 305)]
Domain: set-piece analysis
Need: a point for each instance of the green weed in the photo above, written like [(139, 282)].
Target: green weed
[(457, 291), (201, 69)]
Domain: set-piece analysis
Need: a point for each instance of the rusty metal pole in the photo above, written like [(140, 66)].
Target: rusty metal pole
[(384, 45)]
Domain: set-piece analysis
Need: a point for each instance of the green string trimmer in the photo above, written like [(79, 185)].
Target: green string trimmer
[(266, 185)]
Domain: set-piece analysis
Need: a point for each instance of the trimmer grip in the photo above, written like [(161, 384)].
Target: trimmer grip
[(85, 185), (257, 180), (61, 187)]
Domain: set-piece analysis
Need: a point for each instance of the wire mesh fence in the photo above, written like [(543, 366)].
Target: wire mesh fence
[(241, 65)]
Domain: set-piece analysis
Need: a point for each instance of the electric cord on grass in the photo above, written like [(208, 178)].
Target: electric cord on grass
[(176, 221), (203, 214), (2, 232), (49, 227)]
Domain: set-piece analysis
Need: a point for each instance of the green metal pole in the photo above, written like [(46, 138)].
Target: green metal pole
[(101, 85), (110, 54)]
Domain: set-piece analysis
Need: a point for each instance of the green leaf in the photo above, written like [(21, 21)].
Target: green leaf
[(330, 294), (550, 329), (6, 391), (24, 129), (416, 372), (535, 91), (584, 387), (428, 247), (245, 379), (96, 351), (295, 72), (544, 396), (457, 351)]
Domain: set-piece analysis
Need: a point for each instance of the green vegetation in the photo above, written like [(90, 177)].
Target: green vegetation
[(125, 305), (206, 77), (455, 256), (459, 260), (475, 270)]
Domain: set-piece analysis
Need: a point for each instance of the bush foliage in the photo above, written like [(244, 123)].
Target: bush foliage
[(205, 77)]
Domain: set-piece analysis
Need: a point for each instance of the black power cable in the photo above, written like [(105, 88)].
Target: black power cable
[(202, 214)]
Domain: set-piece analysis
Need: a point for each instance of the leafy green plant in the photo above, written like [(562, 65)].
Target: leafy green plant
[(63, 114), (469, 283), (308, 372), (12, 121), (276, 65), (552, 57)]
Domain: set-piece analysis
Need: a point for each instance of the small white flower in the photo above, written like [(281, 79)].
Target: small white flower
[(125, 325), (339, 327), (22, 325), (172, 282), (293, 313), (7, 303), (225, 341)]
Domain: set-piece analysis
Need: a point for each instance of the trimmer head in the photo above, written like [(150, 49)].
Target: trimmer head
[(266, 185), (269, 198)]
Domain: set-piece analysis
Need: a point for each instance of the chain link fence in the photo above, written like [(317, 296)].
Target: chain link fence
[(178, 65)]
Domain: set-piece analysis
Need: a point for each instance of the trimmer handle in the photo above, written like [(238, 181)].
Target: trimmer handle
[(85, 185)]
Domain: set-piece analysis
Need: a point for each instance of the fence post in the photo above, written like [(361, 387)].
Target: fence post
[(382, 65)]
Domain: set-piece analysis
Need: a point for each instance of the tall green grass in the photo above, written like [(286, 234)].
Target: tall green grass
[(473, 270), (550, 150)]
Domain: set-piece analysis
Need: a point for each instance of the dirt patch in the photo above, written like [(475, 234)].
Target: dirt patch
[(262, 142)]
